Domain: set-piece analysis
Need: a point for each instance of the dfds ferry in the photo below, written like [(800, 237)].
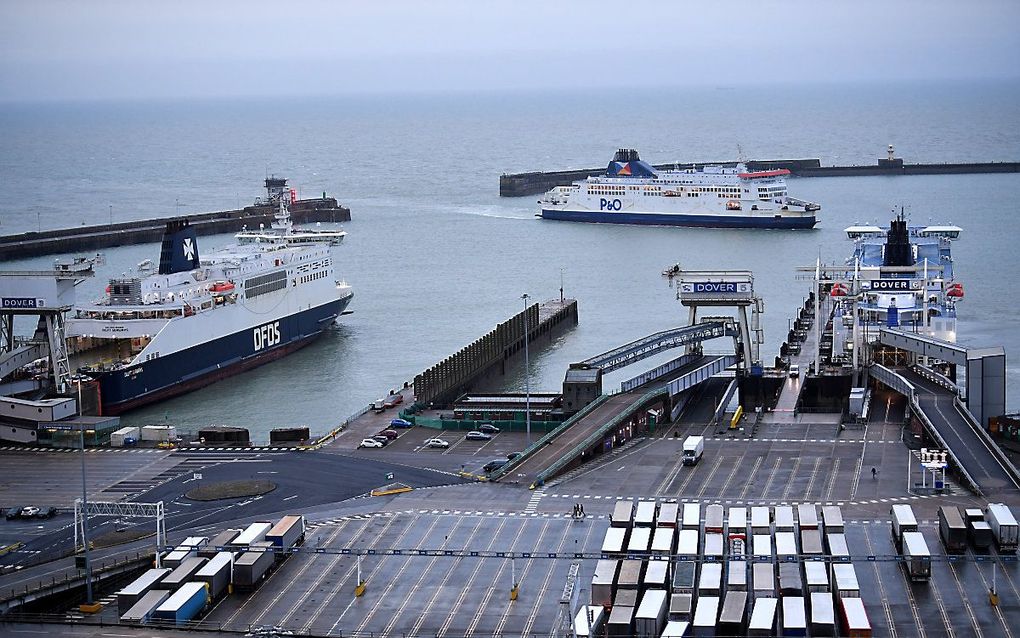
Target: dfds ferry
[(201, 319), (633, 192)]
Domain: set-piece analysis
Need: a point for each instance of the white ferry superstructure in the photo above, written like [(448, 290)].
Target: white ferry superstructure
[(631, 191), (200, 319)]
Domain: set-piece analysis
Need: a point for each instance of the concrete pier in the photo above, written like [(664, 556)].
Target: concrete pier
[(535, 182), (90, 238)]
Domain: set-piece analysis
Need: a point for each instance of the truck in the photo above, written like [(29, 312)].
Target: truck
[(733, 617), (844, 581), (763, 618), (823, 615), (630, 574), (602, 582), (786, 546), (903, 520), (657, 574), (1004, 527), (680, 607), (216, 573), (662, 541), (706, 615), (832, 519), (188, 548), (691, 518), (623, 514), (816, 576), (644, 515), (837, 546), (763, 580), (182, 573), (142, 611), (790, 582), (218, 543), (251, 566), (133, 592), (687, 543), (714, 519), (125, 437), (737, 522), (978, 530), (251, 534), (676, 629), (640, 540), (807, 516), (621, 622), (784, 518), (183, 605), (761, 520), (917, 557), (668, 515), (651, 614), (589, 621), (854, 618), (736, 576), (685, 574), (714, 546), (288, 532), (952, 530), (694, 449), (615, 541), (710, 583), (810, 542), (761, 546), (794, 616)]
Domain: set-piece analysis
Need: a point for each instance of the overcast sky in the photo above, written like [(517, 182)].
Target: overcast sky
[(105, 49)]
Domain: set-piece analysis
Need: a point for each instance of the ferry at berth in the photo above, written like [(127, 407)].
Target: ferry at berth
[(201, 319), (633, 192)]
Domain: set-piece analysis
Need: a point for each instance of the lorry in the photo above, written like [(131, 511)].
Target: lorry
[(853, 618), (794, 616), (763, 580), (680, 607), (844, 581), (823, 615), (251, 534), (186, 549), (668, 515), (133, 592), (623, 514), (288, 532), (602, 582), (184, 604), (218, 543), (978, 530), (251, 566), (733, 616), (125, 437), (644, 514), (685, 574), (621, 622), (1004, 527), (917, 557), (706, 615), (694, 449), (651, 614), (142, 611), (662, 541), (615, 541), (761, 520), (790, 582), (589, 621), (763, 618), (952, 530), (832, 519), (182, 573), (710, 582), (691, 517), (903, 520), (216, 573)]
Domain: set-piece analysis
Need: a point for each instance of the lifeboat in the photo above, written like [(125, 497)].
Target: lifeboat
[(839, 290), (221, 286), (955, 290), (733, 204)]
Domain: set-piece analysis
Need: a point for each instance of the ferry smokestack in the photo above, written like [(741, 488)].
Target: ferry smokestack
[(179, 252), (897, 244)]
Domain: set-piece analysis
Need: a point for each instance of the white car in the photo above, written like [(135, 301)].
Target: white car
[(29, 512), (370, 443), (437, 443)]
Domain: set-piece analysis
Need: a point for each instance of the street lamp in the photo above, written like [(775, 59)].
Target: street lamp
[(85, 512), (527, 372)]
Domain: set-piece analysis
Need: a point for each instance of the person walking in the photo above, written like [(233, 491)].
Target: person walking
[(874, 473)]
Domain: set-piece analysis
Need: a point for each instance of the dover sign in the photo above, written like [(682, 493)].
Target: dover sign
[(21, 303), (715, 287)]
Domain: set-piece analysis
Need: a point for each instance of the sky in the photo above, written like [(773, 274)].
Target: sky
[(57, 50)]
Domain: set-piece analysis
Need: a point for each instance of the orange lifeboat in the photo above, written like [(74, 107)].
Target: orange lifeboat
[(221, 287), (955, 290), (839, 290)]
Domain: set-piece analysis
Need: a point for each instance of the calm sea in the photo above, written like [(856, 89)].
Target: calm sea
[(436, 257)]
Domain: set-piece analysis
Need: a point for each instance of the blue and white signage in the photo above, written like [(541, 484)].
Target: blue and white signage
[(715, 287), (22, 303), (891, 285)]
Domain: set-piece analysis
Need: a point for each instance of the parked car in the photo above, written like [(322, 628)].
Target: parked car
[(382, 439), (512, 456), (794, 370), (30, 512), (13, 513), (437, 443), (389, 434), (49, 512), (379, 405), (488, 428), (393, 400), (493, 465), (370, 443), (475, 435), (401, 423)]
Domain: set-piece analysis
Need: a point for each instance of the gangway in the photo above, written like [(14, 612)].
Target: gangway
[(986, 368), (982, 465), (653, 344)]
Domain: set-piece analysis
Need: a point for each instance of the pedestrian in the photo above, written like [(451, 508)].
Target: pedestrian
[(582, 510), (874, 473)]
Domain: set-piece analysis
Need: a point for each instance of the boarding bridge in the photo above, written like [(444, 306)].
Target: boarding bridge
[(982, 465), (985, 368), (653, 344)]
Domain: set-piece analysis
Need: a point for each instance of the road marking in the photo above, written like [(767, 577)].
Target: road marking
[(522, 577), (290, 497), (832, 480), (772, 476), (966, 601), (750, 477)]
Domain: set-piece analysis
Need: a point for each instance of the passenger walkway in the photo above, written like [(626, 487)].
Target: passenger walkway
[(970, 449), (790, 392)]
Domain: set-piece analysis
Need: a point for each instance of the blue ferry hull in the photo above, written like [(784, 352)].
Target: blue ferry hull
[(198, 366), (700, 221)]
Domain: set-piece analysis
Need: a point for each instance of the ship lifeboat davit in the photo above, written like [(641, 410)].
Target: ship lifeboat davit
[(221, 286), (839, 290), (955, 290)]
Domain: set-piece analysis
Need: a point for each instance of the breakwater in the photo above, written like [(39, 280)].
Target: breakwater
[(490, 354), (534, 182), (90, 238)]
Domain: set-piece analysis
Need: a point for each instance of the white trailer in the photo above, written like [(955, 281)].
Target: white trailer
[(832, 519), (807, 516), (668, 514), (823, 615), (763, 617), (676, 629), (816, 576), (837, 547), (761, 546), (854, 618), (644, 515), (784, 518), (691, 516), (917, 557), (662, 541), (252, 534), (657, 574), (1004, 527), (844, 581), (602, 582), (651, 614), (687, 543), (589, 621), (794, 616), (714, 546), (786, 546), (706, 615), (737, 521), (640, 540), (903, 520), (761, 520), (710, 583), (623, 514), (614, 543), (736, 575), (714, 519), (763, 580)]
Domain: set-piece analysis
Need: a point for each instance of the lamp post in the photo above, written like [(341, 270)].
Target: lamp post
[(527, 373), (85, 513)]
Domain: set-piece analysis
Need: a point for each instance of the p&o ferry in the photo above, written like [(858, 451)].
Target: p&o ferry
[(199, 319), (632, 191)]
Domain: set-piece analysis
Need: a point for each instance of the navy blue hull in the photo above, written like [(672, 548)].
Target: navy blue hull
[(198, 366), (700, 221)]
